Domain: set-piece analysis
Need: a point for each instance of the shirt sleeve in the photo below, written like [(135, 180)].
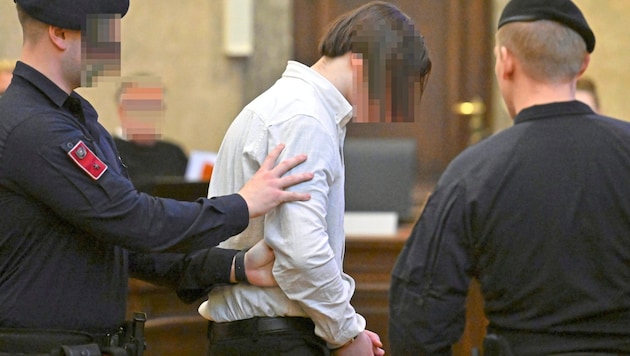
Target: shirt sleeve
[(191, 275), (306, 267), (107, 206), (431, 277)]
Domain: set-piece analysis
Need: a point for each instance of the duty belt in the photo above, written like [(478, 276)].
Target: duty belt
[(127, 341)]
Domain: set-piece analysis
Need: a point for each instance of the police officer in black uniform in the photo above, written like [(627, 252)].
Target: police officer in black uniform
[(539, 213), (72, 227)]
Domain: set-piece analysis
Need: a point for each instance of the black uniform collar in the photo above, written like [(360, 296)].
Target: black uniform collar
[(41, 82), (50, 89), (553, 110)]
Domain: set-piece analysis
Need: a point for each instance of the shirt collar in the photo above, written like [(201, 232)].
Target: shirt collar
[(41, 82), (50, 89), (553, 110), (330, 94)]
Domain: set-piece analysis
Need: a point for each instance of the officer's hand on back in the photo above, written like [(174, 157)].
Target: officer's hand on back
[(265, 190)]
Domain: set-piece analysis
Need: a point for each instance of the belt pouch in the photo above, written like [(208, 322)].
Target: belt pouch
[(81, 350)]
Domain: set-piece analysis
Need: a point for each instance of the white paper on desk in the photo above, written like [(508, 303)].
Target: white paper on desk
[(370, 223), (197, 160)]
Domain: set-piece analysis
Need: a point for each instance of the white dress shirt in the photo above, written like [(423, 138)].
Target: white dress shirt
[(307, 113)]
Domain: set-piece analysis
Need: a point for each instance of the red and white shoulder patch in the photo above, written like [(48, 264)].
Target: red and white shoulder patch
[(87, 160)]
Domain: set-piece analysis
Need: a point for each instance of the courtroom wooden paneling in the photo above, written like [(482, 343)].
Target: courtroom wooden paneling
[(369, 261)]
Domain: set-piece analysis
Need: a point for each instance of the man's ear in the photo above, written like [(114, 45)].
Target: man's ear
[(508, 62), (585, 64), (58, 37)]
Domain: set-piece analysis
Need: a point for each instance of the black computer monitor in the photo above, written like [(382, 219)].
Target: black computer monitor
[(179, 189), (380, 175)]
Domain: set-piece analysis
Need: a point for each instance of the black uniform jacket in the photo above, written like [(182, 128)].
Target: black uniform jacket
[(69, 216), (540, 214)]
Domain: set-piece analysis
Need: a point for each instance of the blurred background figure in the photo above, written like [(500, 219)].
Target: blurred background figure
[(586, 92), (6, 73), (148, 157)]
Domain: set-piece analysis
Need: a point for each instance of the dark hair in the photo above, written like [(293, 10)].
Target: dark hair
[(389, 44)]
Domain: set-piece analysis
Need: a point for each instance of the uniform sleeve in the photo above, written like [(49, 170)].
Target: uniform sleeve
[(431, 277), (102, 202), (191, 275)]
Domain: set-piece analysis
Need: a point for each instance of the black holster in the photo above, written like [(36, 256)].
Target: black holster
[(133, 336)]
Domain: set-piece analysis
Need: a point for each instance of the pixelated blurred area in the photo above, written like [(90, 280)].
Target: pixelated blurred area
[(142, 105), (100, 48), (388, 86)]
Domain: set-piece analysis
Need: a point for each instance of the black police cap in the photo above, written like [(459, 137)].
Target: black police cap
[(71, 14), (562, 11)]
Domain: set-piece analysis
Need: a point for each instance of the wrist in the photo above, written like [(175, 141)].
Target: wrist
[(348, 343), (232, 274), (240, 273)]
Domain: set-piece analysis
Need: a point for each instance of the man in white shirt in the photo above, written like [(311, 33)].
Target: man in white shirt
[(308, 109)]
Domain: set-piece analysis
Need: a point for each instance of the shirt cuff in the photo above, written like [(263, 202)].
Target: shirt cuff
[(349, 333), (344, 345)]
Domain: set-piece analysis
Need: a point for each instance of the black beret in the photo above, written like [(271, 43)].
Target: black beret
[(562, 11), (71, 14)]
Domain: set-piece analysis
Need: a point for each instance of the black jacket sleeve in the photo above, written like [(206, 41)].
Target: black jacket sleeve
[(191, 275), (430, 279)]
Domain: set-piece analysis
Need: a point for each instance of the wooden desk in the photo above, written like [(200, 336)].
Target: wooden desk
[(369, 261), (174, 328)]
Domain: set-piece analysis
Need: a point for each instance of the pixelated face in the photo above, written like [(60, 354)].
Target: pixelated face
[(141, 113), (100, 48), (382, 103), (390, 69)]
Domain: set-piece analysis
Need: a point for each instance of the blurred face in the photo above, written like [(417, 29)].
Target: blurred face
[(141, 113), (101, 48), (378, 107)]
